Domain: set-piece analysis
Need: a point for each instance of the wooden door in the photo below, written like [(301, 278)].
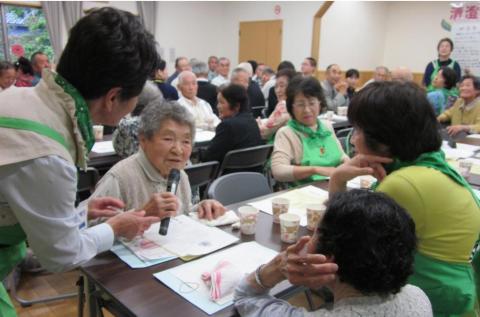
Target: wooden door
[(261, 41)]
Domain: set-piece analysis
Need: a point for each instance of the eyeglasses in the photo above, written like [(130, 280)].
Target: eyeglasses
[(312, 104)]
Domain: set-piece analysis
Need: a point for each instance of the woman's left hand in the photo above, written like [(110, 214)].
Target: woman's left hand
[(104, 207), (210, 209)]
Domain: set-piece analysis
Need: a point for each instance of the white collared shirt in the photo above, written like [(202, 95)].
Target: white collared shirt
[(202, 111), (220, 80)]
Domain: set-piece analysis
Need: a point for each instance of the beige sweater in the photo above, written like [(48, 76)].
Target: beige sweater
[(288, 152), (134, 180), (461, 114)]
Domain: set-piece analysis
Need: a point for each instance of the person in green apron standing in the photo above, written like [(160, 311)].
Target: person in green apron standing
[(306, 149), (444, 48), (46, 133), (397, 141)]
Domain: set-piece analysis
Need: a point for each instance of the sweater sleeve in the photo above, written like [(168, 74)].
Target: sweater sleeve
[(283, 156), (427, 74)]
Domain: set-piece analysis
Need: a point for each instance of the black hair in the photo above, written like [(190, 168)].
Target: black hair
[(254, 65), (4, 65), (161, 64), (32, 58), (396, 115), (178, 59), (312, 61), (449, 77), (475, 80), (309, 87), (236, 97), (24, 65), (287, 72), (108, 48), (352, 72), (445, 39), (330, 66), (285, 64), (371, 239)]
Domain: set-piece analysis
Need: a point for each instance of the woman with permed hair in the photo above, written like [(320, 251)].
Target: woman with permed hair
[(372, 240)]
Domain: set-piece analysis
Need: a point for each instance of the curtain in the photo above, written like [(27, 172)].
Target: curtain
[(72, 11), (148, 14), (54, 13)]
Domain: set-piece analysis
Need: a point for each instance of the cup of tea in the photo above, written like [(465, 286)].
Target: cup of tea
[(248, 219), (289, 225), (315, 213), (279, 206), (98, 132)]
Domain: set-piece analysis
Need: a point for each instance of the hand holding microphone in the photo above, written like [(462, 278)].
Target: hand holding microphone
[(172, 185)]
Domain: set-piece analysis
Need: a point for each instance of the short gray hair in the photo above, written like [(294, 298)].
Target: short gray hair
[(238, 70), (199, 68), (156, 113), (379, 68), (149, 93), (184, 74)]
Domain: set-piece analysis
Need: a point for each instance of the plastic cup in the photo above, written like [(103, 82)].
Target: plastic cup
[(289, 224), (315, 214), (279, 206), (98, 132), (248, 219), (465, 167), (342, 111)]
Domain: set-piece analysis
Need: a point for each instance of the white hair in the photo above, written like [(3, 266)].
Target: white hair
[(184, 74), (247, 67)]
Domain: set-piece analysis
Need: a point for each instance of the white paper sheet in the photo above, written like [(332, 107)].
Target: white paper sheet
[(461, 151), (299, 199), (473, 136), (186, 280), (228, 218), (187, 237), (103, 147), (204, 136)]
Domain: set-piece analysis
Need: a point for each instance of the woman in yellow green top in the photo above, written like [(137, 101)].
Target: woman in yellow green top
[(464, 116), (306, 149), (397, 141)]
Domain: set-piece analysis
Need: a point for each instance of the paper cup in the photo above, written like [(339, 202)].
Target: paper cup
[(465, 167), (98, 132), (365, 182), (315, 213), (248, 219), (279, 206), (329, 115), (289, 224), (342, 111)]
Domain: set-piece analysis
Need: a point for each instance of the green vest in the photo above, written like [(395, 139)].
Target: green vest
[(320, 148), (436, 68)]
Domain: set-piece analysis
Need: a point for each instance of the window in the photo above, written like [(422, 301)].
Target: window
[(23, 32)]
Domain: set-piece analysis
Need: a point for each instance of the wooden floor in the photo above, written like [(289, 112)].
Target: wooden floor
[(41, 285)]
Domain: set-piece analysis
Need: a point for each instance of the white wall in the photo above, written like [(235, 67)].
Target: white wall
[(353, 35), (412, 32), (201, 29)]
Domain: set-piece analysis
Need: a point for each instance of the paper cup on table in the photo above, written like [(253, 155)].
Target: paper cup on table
[(365, 182), (342, 111), (279, 206), (329, 115), (289, 224), (465, 168), (315, 213), (98, 132), (248, 219)]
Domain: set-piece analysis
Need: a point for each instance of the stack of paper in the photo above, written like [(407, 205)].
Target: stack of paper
[(203, 136), (461, 151), (186, 280), (299, 199)]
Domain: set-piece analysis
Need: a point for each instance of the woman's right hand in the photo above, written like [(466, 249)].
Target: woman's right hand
[(131, 223), (162, 205), (360, 164)]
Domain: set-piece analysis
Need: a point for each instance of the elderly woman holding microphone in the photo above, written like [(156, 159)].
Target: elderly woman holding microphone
[(166, 135)]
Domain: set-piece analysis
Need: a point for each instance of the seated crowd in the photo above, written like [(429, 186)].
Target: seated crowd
[(405, 248)]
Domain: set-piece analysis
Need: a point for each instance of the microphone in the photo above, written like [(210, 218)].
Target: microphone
[(172, 185)]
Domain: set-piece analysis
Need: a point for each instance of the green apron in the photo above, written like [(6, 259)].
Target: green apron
[(436, 68), (449, 286), (12, 238), (320, 148)]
